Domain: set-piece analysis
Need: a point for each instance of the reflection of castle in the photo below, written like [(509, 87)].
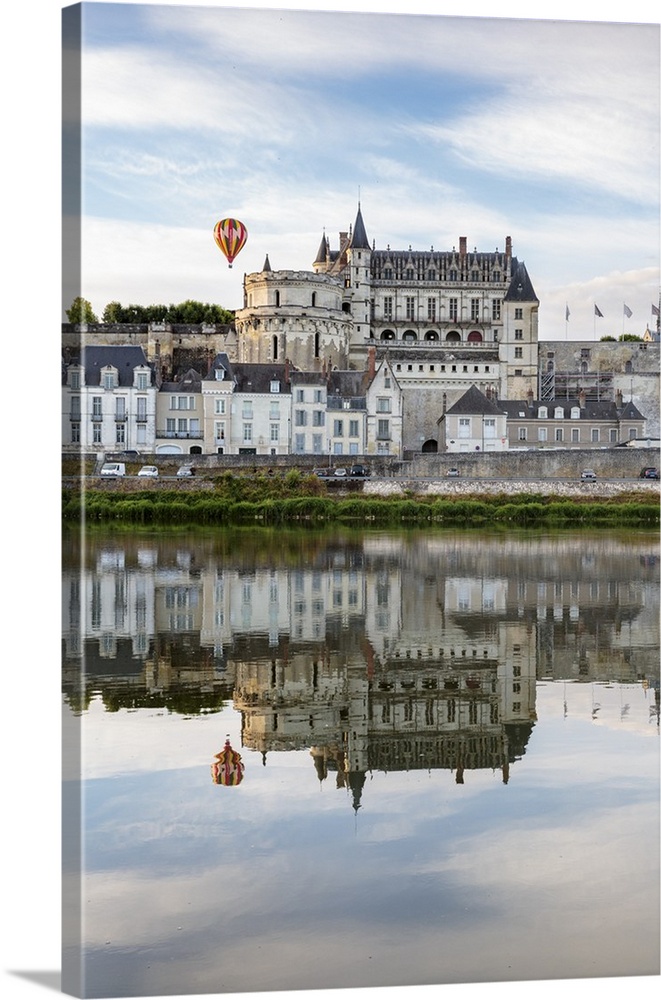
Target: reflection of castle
[(394, 652), (362, 714)]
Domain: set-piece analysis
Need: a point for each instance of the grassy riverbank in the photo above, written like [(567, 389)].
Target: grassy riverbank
[(295, 498)]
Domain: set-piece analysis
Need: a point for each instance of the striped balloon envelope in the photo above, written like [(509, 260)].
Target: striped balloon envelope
[(230, 236), (227, 768)]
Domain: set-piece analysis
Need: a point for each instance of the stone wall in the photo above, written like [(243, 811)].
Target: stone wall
[(607, 463)]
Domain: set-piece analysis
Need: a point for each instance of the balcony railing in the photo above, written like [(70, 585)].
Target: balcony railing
[(180, 435)]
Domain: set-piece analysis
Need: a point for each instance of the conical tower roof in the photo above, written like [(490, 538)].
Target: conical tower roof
[(359, 239), (322, 252)]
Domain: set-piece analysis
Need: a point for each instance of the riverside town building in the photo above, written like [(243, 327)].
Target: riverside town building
[(373, 352)]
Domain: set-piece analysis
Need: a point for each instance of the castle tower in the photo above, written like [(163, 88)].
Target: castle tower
[(358, 285), (518, 346), (297, 315)]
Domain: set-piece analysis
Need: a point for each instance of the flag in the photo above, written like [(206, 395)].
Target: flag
[(597, 311), (627, 311), (655, 310), (567, 313)]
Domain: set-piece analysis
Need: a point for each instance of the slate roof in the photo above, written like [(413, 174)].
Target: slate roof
[(519, 409), (125, 359), (322, 252), (220, 361), (520, 289), (452, 353), (347, 386), (190, 381), (474, 401), (308, 378), (257, 377), (359, 239)]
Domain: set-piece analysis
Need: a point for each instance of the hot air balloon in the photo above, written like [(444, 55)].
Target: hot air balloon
[(227, 768), (230, 236)]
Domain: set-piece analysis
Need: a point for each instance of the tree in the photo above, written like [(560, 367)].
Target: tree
[(630, 337), (607, 338), (81, 311), (190, 312), (113, 313)]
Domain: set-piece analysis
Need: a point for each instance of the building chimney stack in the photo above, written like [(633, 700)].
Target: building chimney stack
[(462, 246), (508, 246), (371, 362), (619, 399), (581, 399)]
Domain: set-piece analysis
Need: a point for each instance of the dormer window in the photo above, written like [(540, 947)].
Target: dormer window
[(74, 379), (109, 378), (141, 380), (559, 413), (275, 386), (220, 374), (576, 413), (542, 413)]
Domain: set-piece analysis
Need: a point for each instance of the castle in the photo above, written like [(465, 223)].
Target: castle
[(442, 322)]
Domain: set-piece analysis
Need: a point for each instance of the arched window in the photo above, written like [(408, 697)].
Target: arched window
[(409, 335), (277, 298), (431, 335), (388, 335), (314, 298), (453, 337), (275, 348), (475, 337)]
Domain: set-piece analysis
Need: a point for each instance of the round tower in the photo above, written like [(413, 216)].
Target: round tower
[(296, 315)]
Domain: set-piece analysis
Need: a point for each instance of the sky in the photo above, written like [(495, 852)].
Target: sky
[(441, 126), (623, 244)]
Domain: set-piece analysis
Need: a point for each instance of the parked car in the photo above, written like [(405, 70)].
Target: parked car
[(322, 473), (588, 474), (453, 472), (649, 472), (340, 471), (359, 470), (113, 469), (185, 472), (148, 470)]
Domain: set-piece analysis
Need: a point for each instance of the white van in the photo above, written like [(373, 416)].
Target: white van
[(113, 469)]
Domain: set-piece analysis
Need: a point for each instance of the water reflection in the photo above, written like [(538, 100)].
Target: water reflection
[(460, 740), (382, 651)]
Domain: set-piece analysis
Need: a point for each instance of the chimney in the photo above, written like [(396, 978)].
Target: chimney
[(508, 246), (618, 399), (462, 246), (371, 362), (530, 398), (581, 399), (286, 371)]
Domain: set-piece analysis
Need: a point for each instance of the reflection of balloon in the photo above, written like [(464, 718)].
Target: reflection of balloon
[(227, 768), (230, 236)]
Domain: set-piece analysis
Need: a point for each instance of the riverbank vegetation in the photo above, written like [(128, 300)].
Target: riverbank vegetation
[(296, 498)]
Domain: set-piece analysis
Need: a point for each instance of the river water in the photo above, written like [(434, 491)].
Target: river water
[(310, 760)]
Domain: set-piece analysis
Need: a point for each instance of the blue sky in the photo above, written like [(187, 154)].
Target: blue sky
[(444, 126)]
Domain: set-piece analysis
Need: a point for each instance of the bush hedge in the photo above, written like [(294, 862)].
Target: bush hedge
[(232, 506)]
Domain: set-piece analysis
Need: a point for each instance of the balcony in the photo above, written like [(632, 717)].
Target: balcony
[(180, 435)]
